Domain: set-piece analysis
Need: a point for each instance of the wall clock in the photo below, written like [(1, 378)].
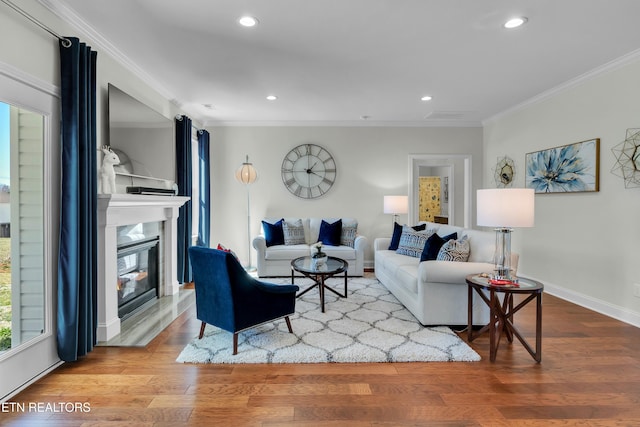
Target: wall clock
[(308, 171)]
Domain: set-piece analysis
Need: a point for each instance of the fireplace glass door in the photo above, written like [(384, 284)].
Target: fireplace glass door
[(137, 275)]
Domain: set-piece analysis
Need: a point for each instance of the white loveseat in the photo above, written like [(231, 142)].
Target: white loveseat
[(435, 292), (275, 261)]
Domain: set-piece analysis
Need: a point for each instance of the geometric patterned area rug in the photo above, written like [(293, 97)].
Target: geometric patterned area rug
[(370, 325)]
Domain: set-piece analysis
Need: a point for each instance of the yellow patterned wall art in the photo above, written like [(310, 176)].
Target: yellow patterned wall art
[(429, 198)]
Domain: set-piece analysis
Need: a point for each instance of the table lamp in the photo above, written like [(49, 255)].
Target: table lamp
[(396, 205), (504, 209)]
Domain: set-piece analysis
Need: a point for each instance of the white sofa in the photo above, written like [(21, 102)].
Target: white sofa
[(275, 261), (435, 292)]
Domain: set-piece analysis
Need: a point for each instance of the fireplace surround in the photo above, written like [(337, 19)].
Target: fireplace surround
[(116, 210)]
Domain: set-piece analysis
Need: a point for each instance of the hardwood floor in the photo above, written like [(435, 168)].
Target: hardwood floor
[(589, 376)]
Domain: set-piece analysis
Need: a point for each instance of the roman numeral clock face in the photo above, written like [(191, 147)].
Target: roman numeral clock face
[(308, 171)]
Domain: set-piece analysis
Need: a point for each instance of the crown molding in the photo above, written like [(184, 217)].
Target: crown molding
[(68, 15), (578, 81), (340, 123)]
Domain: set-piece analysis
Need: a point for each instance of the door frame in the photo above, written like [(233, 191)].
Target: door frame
[(29, 361)]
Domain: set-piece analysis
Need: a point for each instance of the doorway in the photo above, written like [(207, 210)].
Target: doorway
[(454, 176)]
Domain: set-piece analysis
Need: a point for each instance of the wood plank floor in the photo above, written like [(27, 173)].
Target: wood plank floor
[(589, 376)]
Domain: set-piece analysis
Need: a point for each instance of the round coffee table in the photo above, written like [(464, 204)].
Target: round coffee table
[(501, 312), (332, 267)]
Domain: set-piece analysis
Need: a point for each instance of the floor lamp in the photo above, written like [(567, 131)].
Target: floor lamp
[(505, 208), (247, 175)]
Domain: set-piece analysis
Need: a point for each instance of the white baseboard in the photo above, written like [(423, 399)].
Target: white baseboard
[(620, 313), (31, 381)]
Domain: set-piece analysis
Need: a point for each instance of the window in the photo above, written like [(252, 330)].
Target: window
[(29, 152)]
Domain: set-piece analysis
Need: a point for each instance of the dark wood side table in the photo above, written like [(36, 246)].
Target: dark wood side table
[(333, 267), (502, 312)]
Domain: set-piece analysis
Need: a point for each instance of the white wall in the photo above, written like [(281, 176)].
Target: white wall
[(372, 162), (584, 246)]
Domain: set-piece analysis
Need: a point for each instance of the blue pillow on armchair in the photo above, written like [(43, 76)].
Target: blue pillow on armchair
[(273, 233), (433, 244), (330, 233)]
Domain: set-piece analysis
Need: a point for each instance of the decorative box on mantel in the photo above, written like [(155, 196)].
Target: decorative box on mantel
[(116, 210)]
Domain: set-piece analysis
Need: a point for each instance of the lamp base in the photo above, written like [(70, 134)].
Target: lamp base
[(502, 257)]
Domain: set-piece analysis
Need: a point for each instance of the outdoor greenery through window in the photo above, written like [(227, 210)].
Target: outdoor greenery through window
[(5, 239)]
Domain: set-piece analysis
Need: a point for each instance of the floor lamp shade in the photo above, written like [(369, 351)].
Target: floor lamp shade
[(247, 174), (505, 209)]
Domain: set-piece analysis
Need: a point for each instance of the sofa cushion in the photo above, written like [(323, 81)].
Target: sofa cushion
[(390, 261), (343, 252), (433, 244), (455, 250), (273, 234), (293, 232), (330, 233), (284, 252), (407, 277), (397, 233), (412, 242)]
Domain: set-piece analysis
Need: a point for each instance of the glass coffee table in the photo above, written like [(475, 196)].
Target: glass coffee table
[(319, 275), (502, 311)]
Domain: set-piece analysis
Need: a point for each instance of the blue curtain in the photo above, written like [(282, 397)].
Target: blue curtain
[(183, 179), (77, 257), (204, 200)]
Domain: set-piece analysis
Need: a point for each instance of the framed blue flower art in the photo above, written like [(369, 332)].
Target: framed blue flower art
[(566, 169)]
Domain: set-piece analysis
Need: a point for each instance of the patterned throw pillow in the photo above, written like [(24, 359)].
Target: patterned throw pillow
[(293, 232), (454, 250), (348, 236), (412, 242), (397, 233)]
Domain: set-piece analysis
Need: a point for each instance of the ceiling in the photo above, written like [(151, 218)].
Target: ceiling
[(356, 62)]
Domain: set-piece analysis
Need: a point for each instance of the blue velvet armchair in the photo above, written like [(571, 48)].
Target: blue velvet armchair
[(229, 298)]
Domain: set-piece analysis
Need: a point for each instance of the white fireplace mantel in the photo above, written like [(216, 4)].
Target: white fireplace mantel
[(115, 210)]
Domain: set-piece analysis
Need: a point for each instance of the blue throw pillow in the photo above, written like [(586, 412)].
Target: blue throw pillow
[(433, 244), (273, 233), (330, 233), (397, 233)]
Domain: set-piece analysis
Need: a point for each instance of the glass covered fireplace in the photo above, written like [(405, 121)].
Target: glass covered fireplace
[(138, 279)]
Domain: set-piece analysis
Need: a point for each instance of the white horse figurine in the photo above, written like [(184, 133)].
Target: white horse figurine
[(106, 174)]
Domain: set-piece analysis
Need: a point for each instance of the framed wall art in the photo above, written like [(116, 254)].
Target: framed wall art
[(504, 172), (567, 169)]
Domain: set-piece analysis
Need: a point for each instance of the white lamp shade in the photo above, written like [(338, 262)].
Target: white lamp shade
[(246, 173), (396, 204), (506, 207)]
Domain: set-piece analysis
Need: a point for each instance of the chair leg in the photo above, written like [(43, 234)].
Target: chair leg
[(235, 343), (202, 330), (286, 318)]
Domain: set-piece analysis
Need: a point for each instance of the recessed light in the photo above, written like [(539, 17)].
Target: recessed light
[(426, 98), (248, 21), (271, 97), (515, 22)]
